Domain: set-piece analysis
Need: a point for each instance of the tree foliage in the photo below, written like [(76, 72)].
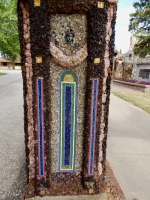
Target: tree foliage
[(9, 42), (140, 27)]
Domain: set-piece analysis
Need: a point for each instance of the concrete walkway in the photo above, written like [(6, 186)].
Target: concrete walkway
[(12, 148), (82, 197), (129, 148), (10, 77)]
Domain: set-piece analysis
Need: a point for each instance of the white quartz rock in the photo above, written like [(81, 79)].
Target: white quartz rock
[(113, 1)]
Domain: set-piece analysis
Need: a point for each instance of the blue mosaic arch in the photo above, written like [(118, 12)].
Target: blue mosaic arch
[(67, 121)]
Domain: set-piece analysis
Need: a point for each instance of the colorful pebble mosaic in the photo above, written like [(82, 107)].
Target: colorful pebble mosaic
[(68, 32), (55, 73), (59, 24), (68, 116), (94, 97), (69, 36), (40, 125)]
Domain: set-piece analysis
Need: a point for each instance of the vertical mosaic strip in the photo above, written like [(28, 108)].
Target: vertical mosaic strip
[(67, 121), (40, 125), (94, 100)]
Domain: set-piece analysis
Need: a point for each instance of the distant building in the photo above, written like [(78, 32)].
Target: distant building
[(129, 65), (123, 64), (141, 71), (5, 63), (118, 64)]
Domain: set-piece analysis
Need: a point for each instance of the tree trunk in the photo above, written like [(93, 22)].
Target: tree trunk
[(13, 64)]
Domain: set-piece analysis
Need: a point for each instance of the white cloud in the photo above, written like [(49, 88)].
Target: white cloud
[(122, 34)]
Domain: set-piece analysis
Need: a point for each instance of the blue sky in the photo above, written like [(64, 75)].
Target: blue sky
[(122, 40)]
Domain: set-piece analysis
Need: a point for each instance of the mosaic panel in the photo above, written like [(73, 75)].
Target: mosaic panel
[(40, 124), (55, 73), (69, 34), (68, 96), (94, 97)]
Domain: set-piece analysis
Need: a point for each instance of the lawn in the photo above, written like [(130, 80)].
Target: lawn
[(141, 100), (2, 73)]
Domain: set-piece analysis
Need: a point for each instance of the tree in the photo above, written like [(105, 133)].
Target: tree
[(9, 40), (140, 27)]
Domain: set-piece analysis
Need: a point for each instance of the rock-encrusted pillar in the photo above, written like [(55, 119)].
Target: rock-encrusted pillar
[(108, 63), (34, 20), (100, 61), (27, 74), (34, 30)]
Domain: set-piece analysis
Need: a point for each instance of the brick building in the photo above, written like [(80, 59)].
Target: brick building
[(5, 63)]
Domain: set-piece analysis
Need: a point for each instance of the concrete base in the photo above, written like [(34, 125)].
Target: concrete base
[(102, 196)]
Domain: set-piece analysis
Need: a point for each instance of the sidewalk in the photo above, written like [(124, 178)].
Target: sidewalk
[(83, 197), (6, 79), (128, 148), (12, 149)]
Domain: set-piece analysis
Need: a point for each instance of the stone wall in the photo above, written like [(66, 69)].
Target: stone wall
[(134, 86)]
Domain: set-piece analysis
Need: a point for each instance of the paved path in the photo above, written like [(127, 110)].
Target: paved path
[(101, 196), (129, 147), (10, 77), (12, 149)]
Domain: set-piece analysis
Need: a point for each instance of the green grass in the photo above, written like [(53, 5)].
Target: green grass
[(141, 100), (2, 73)]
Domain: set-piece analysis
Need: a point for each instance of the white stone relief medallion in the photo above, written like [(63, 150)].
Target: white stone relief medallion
[(68, 61)]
